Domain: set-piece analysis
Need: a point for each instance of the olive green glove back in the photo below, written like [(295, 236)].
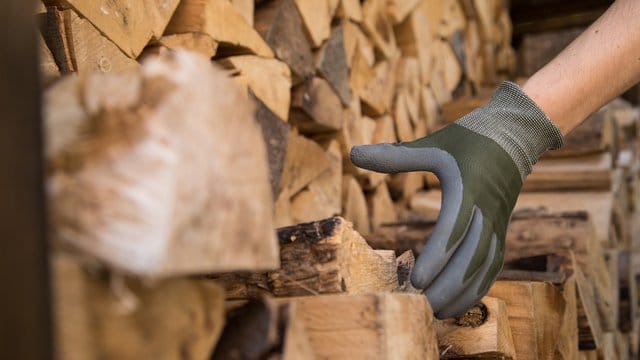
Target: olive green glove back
[(481, 161)]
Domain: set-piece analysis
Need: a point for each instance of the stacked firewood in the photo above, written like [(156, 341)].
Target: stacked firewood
[(212, 211)]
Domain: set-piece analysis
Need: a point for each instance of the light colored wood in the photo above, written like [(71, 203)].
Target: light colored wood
[(105, 316), (535, 311), (199, 42), (429, 108), (354, 205), (79, 47), (245, 8), (330, 260), (389, 326), (449, 66), (434, 12), (453, 19), (304, 161), (223, 22), (268, 79), (567, 346), (378, 26), (414, 40), (405, 185), (381, 207), (403, 125), (399, 9), (316, 16), (128, 24), (350, 9), (471, 338), (331, 62), (323, 196), (384, 131), (316, 108), (408, 79), (367, 85), (280, 24), (133, 201)]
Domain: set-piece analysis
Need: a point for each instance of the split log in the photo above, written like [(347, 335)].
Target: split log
[(350, 9), (381, 207), (393, 326), (316, 16), (316, 107), (98, 315), (198, 42), (482, 332), (535, 311), (379, 27), (245, 8), (280, 24), (263, 329), (414, 41), (354, 205), (453, 19), (275, 133), (268, 79), (223, 22), (591, 172), (368, 84), (331, 62), (323, 196), (78, 46), (398, 10), (128, 25), (138, 164), (304, 161)]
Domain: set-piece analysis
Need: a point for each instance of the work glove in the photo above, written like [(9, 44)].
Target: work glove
[(481, 161)]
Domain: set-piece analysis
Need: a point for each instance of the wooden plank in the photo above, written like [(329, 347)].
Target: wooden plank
[(483, 332), (223, 22), (389, 326), (268, 79), (129, 25), (25, 314), (280, 24), (316, 107), (154, 184), (80, 47), (591, 172)]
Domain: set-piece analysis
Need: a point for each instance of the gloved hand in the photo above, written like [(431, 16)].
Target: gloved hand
[(481, 161)]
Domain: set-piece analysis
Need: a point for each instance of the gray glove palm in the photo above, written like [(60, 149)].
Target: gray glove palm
[(481, 161)]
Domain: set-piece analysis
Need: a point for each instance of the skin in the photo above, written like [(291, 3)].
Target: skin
[(599, 65)]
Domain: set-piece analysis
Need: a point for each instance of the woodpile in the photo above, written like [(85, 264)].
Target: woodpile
[(203, 210)]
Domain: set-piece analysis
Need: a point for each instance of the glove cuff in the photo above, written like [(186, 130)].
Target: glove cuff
[(517, 124)]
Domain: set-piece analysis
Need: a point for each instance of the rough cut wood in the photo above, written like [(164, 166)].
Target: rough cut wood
[(275, 133), (140, 163), (329, 257), (399, 9), (78, 46), (367, 85), (535, 312), (223, 22), (304, 161), (316, 16), (381, 207), (354, 205), (316, 107), (268, 79), (483, 332), (245, 8), (592, 172), (377, 24), (350, 9), (323, 196), (331, 61), (265, 328), (129, 25), (102, 316), (388, 326), (199, 42), (280, 24)]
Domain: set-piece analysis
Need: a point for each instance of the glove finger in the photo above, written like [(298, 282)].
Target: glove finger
[(452, 280), (395, 158), (477, 288)]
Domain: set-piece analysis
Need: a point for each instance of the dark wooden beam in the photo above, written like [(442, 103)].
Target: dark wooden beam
[(25, 302)]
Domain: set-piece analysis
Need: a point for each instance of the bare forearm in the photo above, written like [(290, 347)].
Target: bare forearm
[(599, 65)]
